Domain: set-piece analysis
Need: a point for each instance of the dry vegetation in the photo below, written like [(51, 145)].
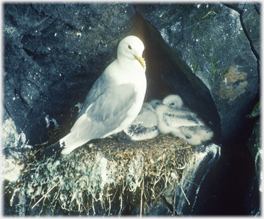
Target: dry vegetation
[(98, 177)]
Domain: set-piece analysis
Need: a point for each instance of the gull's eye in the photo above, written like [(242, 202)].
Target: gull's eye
[(129, 47), (172, 104)]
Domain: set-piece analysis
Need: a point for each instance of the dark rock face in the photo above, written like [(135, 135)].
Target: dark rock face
[(53, 54), (211, 39), (188, 193), (249, 16)]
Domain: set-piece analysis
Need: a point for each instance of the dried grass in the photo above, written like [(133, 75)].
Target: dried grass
[(101, 175)]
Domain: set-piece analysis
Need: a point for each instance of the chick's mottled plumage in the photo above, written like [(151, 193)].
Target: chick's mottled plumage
[(176, 119)]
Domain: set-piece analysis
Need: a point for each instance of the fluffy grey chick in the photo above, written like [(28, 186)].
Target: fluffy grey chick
[(145, 126), (176, 119)]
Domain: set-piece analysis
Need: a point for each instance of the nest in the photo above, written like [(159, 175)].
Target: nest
[(102, 177)]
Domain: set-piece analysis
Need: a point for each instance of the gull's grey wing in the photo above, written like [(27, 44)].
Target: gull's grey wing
[(102, 84), (114, 102), (106, 113)]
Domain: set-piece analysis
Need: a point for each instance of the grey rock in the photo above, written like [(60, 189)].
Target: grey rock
[(256, 182), (236, 6), (254, 143), (188, 187), (258, 8), (251, 22)]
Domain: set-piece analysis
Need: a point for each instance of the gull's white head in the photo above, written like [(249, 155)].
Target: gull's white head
[(132, 48), (173, 101)]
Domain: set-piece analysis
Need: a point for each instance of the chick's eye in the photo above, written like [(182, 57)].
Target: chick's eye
[(172, 104), (129, 47)]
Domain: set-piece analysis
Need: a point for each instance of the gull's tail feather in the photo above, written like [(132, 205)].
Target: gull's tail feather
[(52, 149)]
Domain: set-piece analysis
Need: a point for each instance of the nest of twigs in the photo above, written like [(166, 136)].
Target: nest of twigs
[(101, 177)]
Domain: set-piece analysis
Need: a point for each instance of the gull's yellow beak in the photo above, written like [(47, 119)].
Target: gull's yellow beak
[(141, 61)]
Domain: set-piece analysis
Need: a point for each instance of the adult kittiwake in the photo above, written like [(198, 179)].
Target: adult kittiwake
[(114, 100), (176, 119), (145, 126)]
